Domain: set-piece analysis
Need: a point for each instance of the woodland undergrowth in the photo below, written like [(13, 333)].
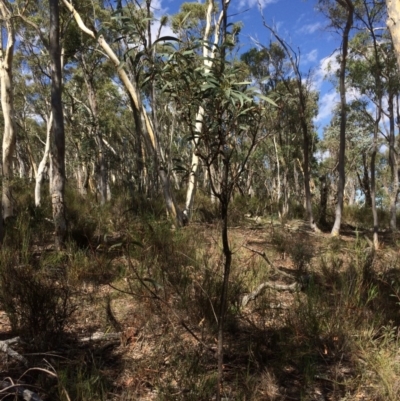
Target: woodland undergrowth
[(126, 269)]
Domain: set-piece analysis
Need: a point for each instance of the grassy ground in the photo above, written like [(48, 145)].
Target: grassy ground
[(126, 270)]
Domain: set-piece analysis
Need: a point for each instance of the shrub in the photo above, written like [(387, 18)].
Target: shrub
[(38, 303)]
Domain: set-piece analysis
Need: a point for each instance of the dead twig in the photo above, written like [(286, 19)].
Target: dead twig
[(278, 287), (5, 347), (265, 257)]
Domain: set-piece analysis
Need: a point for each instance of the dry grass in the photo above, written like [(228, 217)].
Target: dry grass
[(336, 339)]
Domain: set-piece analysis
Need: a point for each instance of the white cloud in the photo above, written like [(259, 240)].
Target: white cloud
[(321, 156), (254, 3), (383, 149), (329, 65), (310, 28), (327, 104), (353, 94), (311, 56), (327, 68), (158, 10), (165, 30)]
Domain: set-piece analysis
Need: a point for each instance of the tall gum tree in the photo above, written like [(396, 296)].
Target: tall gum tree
[(57, 148), (7, 104), (341, 13), (393, 23), (369, 16), (302, 93), (208, 61), (143, 122)]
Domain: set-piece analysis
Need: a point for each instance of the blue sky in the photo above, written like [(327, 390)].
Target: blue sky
[(296, 21)]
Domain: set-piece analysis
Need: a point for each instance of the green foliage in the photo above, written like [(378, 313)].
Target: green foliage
[(190, 16)]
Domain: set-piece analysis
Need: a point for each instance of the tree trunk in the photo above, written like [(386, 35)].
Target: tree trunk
[(43, 164), (343, 118), (324, 193), (101, 168), (7, 105), (394, 165), (373, 191), (57, 147), (393, 23), (306, 171), (278, 179), (208, 63), (365, 182)]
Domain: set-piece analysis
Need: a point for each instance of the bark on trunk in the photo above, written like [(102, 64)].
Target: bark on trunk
[(43, 164), (278, 179), (394, 165), (7, 104), (101, 167), (365, 182), (343, 117), (57, 138), (393, 23), (324, 193), (373, 195)]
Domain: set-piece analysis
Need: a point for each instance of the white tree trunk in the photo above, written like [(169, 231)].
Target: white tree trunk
[(57, 147), (393, 23), (7, 105), (43, 164), (208, 62)]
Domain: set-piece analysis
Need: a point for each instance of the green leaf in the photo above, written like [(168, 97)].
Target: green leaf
[(185, 18), (166, 38), (267, 99), (204, 87)]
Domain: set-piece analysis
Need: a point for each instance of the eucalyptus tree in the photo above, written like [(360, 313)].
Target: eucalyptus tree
[(88, 65), (146, 127), (42, 30), (229, 136), (393, 23), (360, 128), (187, 20), (373, 72), (7, 105), (33, 114), (341, 14), (57, 147), (301, 95)]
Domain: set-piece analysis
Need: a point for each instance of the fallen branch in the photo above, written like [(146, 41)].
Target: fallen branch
[(278, 287), (101, 336), (4, 347), (265, 257)]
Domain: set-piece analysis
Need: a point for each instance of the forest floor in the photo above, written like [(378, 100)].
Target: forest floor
[(333, 337)]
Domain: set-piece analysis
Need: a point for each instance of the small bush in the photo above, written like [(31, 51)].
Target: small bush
[(279, 240), (301, 254), (38, 303)]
